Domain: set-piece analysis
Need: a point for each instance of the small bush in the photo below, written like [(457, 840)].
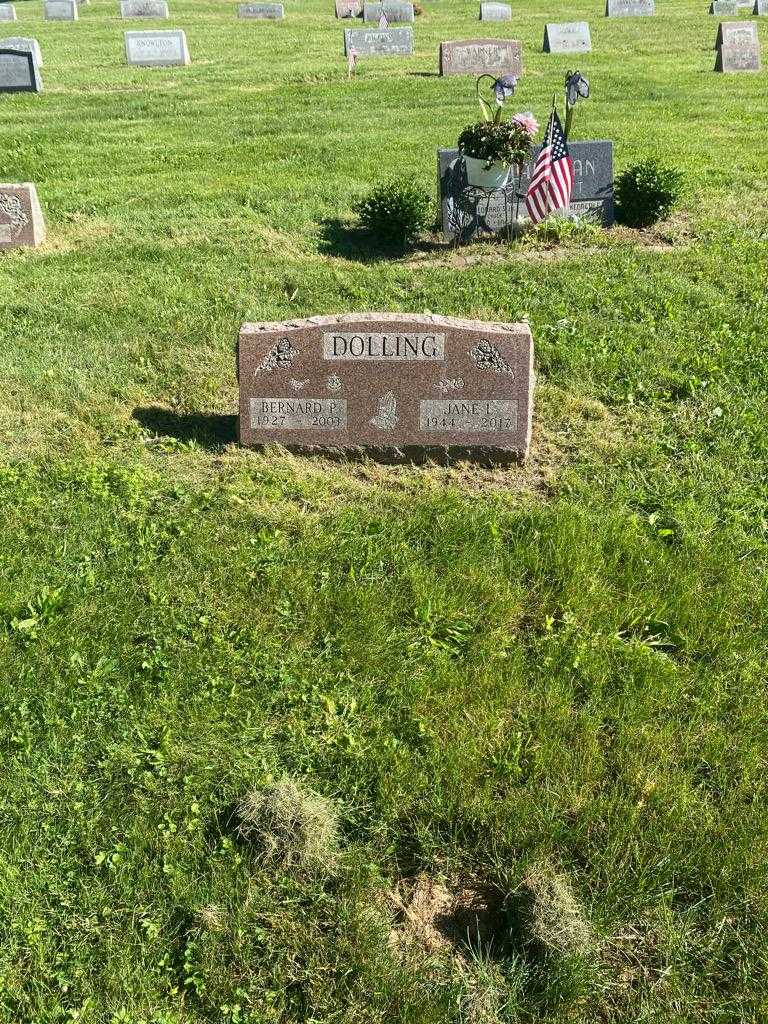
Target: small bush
[(395, 212), (290, 826), (646, 193)]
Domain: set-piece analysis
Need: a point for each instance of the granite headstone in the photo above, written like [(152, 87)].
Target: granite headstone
[(349, 8), (495, 12), (19, 71), (264, 12), (7, 12), (567, 37), (760, 8), (144, 9), (467, 212), (61, 10), (740, 33), (738, 56), (157, 49), (481, 57), (628, 8), (22, 43), (382, 42), (21, 219), (724, 7), (395, 12), (409, 385)]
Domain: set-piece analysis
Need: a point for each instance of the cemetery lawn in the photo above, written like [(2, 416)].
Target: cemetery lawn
[(554, 672)]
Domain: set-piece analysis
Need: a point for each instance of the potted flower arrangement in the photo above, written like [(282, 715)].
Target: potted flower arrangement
[(492, 148)]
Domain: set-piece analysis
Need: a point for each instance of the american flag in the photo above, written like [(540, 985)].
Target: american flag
[(383, 21), (552, 178), (351, 61)]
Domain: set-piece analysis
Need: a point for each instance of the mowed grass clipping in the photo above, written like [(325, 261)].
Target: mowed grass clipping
[(545, 684)]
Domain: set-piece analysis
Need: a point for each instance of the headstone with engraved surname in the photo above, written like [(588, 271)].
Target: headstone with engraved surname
[(495, 12), (382, 42), (21, 219), (144, 9), (481, 57), (466, 215), (724, 7), (414, 385), (629, 8), (395, 12), (19, 71), (157, 49), (740, 33), (7, 12), (567, 37), (349, 8), (61, 10), (22, 43), (263, 12), (738, 56)]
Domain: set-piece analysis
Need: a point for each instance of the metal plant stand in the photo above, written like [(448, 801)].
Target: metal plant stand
[(492, 211)]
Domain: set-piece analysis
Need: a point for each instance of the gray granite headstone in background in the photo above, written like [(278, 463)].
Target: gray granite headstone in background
[(21, 219), (144, 9), (61, 10), (468, 213), (395, 12), (7, 12), (19, 71), (481, 57), (22, 43), (760, 8), (567, 37), (723, 7), (159, 49), (408, 385), (349, 8), (495, 12), (370, 42), (264, 12), (628, 8)]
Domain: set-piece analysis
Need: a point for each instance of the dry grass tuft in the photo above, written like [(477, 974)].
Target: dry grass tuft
[(554, 918), (291, 826)]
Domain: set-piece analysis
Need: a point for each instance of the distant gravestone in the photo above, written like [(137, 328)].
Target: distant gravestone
[(61, 10), (22, 43), (761, 7), (157, 49), (495, 12), (468, 213), (567, 37), (414, 386), (724, 7), (349, 8), (21, 219), (481, 57), (740, 55), (19, 71), (7, 12), (628, 8), (264, 12), (144, 9), (739, 33), (394, 11), (369, 42)]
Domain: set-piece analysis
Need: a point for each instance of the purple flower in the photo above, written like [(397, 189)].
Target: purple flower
[(504, 87), (527, 122)]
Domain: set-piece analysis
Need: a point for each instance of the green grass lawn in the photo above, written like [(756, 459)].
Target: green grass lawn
[(493, 675)]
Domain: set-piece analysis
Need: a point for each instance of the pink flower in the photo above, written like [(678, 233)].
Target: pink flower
[(527, 122)]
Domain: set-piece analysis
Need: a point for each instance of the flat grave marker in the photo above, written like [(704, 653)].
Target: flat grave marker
[(23, 43), (61, 10), (395, 12), (387, 42), (263, 12), (160, 49), (481, 56), (414, 386), (19, 71), (567, 37), (7, 12), (629, 8), (144, 9), (495, 12), (21, 219), (467, 214)]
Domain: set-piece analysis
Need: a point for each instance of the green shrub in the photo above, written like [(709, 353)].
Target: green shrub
[(646, 192), (395, 211)]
